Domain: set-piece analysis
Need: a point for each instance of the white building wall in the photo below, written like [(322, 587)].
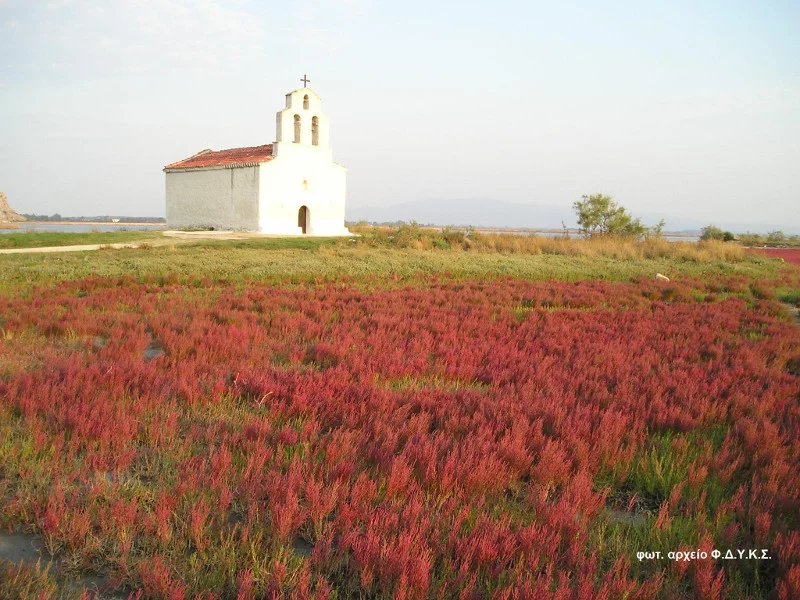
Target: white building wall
[(214, 197), (302, 173), (295, 106), (268, 197), (302, 176)]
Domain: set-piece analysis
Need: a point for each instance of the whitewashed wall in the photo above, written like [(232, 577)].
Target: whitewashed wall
[(302, 173), (268, 198), (302, 176), (284, 131), (218, 198)]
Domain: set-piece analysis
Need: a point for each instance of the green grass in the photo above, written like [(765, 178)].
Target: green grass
[(28, 581), (55, 238), (386, 254), (409, 383), (788, 295), (266, 243), (659, 469), (307, 259)]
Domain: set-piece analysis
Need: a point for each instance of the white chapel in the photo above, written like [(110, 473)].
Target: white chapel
[(289, 187)]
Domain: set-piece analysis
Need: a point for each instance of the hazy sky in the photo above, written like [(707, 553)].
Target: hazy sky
[(678, 108)]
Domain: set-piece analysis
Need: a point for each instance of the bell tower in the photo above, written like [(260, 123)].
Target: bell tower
[(302, 191), (302, 122)]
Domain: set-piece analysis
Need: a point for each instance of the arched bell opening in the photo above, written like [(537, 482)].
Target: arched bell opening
[(315, 131)]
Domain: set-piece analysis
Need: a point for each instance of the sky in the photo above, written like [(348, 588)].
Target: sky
[(679, 109)]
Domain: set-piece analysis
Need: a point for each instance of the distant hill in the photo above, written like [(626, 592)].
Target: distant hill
[(690, 225), (485, 212), (475, 212)]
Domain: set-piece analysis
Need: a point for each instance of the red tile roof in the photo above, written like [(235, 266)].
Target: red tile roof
[(235, 157)]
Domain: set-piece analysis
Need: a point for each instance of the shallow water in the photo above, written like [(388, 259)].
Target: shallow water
[(62, 228)]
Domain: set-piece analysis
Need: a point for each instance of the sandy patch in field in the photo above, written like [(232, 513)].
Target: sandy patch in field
[(20, 548), (27, 549)]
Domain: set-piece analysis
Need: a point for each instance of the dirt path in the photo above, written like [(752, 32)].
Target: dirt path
[(170, 237), (81, 248)]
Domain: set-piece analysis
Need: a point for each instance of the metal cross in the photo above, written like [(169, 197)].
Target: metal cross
[(305, 80)]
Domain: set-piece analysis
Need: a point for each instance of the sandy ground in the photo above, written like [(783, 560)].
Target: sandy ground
[(21, 548), (169, 235)]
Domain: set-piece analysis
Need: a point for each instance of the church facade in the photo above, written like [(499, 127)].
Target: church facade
[(289, 187)]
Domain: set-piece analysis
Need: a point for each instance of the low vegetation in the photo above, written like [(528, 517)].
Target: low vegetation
[(619, 247), (390, 253), (184, 439), (409, 414), (27, 581), (43, 239), (771, 239)]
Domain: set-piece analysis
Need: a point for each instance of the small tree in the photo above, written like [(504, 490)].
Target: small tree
[(776, 236), (710, 232), (600, 215), (656, 231)]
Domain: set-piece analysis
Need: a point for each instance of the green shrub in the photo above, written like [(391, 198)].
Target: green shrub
[(710, 232), (598, 214)]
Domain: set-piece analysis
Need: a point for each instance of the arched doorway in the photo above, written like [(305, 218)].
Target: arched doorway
[(304, 219)]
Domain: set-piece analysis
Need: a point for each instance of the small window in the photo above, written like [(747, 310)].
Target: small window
[(315, 131), (305, 102), (297, 129)]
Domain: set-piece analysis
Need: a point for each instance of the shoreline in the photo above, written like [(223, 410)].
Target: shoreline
[(103, 223), (486, 230), (524, 230)]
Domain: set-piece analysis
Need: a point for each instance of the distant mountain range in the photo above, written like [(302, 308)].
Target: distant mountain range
[(495, 213), (688, 225), (459, 213)]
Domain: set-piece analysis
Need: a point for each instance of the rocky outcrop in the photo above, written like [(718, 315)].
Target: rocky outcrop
[(7, 215)]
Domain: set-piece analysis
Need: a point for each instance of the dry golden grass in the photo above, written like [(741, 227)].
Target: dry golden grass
[(418, 238)]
